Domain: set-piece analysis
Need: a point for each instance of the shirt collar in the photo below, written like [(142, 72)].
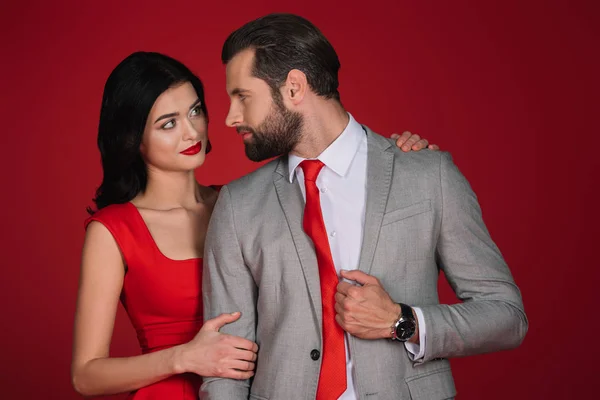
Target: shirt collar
[(339, 155)]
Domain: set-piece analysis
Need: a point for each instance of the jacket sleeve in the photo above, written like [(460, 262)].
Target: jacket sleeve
[(491, 316), (227, 286)]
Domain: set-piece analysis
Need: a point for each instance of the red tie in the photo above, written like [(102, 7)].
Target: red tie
[(332, 380)]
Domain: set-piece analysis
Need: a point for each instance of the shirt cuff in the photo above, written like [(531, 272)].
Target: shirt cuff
[(417, 351)]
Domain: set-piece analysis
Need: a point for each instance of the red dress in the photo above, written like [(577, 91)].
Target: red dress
[(162, 296)]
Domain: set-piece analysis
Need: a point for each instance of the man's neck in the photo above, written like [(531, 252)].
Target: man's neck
[(322, 127)]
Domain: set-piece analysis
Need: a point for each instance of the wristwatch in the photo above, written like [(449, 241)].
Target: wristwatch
[(405, 326)]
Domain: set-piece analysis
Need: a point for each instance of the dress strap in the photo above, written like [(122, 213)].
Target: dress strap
[(121, 221)]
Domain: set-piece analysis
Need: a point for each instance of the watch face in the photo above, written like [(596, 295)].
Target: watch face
[(405, 329)]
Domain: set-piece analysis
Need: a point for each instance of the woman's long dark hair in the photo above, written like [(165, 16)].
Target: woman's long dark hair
[(129, 94)]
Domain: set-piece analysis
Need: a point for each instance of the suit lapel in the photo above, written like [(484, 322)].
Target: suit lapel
[(292, 204), (379, 177)]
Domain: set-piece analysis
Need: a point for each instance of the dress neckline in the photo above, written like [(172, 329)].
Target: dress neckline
[(151, 238)]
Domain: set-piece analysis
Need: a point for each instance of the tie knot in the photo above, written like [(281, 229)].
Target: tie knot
[(311, 169)]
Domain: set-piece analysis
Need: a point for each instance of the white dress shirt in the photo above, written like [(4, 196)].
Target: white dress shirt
[(343, 183)]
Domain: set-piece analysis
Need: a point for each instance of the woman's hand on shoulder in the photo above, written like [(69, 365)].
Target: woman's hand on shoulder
[(412, 142)]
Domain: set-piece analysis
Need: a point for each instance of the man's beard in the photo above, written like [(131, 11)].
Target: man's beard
[(277, 135)]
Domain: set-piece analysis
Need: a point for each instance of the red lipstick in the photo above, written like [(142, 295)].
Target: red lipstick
[(192, 150)]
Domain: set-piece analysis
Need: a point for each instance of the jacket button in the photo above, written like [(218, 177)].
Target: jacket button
[(315, 354)]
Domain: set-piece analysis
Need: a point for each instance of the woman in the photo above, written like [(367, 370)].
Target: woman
[(144, 244)]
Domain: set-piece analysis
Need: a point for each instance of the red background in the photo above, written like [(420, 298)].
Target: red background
[(509, 88)]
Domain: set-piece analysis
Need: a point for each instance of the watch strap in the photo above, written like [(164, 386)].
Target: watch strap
[(406, 311)]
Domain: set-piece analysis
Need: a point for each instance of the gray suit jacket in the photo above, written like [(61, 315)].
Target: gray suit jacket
[(421, 216)]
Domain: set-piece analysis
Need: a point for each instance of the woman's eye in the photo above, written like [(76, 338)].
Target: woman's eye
[(196, 111), (169, 125)]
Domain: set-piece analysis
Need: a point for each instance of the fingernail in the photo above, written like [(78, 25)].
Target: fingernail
[(405, 148)]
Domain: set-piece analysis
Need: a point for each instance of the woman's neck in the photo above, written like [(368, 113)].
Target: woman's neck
[(169, 190)]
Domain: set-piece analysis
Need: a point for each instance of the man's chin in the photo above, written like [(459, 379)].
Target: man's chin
[(254, 155), (251, 152)]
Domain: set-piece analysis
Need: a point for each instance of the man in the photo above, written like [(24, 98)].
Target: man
[(341, 200)]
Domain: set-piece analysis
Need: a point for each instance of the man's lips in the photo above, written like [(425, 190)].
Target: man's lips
[(245, 134)]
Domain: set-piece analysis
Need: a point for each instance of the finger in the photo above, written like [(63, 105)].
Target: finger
[(223, 319), (340, 321), (241, 365), (421, 144), (403, 138), (339, 297), (241, 343), (410, 142), (343, 287), (433, 147), (243, 355), (339, 309), (394, 136), (234, 374), (346, 305), (360, 277)]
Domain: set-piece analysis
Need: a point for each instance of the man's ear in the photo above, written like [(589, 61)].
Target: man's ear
[(295, 87)]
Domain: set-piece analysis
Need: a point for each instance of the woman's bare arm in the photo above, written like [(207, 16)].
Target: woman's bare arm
[(93, 372)]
